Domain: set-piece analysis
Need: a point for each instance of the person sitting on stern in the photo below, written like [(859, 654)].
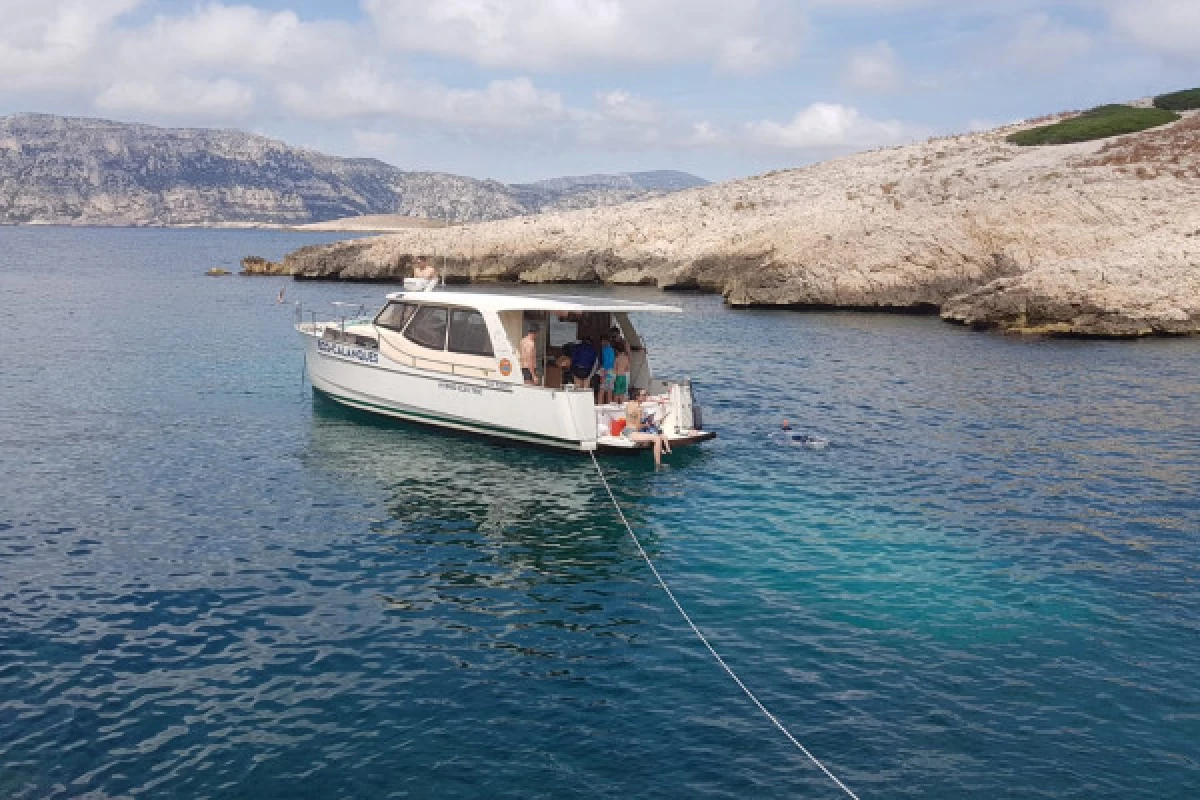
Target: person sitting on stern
[(638, 427)]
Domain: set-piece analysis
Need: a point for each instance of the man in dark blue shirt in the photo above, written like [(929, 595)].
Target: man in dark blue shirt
[(583, 362)]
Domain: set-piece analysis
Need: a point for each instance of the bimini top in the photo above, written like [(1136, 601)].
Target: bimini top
[(531, 302)]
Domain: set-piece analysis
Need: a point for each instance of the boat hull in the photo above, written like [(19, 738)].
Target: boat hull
[(473, 405), (363, 378)]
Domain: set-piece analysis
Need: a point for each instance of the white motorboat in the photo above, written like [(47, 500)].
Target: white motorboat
[(450, 359)]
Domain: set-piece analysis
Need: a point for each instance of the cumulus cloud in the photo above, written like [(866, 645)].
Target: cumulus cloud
[(827, 126), (240, 39), (623, 106), (622, 118), (1170, 28), (704, 134), (362, 93), (1039, 43), (873, 68), (742, 37), (523, 68), (52, 43)]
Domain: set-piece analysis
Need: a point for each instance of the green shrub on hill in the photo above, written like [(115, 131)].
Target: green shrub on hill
[(1099, 123), (1186, 100)]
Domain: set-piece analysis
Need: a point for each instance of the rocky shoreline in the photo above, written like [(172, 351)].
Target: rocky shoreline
[(1093, 239)]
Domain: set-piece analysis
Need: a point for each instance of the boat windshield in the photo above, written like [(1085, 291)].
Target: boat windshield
[(395, 315)]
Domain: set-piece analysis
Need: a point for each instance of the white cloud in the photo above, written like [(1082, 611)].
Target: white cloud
[(223, 98), (620, 118), (873, 68), (622, 106), (518, 66), (1170, 28), (239, 39), (749, 55), (1041, 44), (363, 92), (746, 36), (704, 134), (53, 43), (827, 126)]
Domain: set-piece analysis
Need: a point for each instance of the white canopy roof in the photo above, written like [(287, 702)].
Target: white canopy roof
[(531, 302)]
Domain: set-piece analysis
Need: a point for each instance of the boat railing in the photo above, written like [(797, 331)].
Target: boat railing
[(344, 314)]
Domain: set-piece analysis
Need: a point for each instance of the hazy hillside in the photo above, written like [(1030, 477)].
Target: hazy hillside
[(70, 170)]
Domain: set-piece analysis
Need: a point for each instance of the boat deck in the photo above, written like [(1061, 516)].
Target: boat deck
[(605, 414)]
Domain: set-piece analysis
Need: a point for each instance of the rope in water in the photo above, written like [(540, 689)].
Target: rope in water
[(704, 640)]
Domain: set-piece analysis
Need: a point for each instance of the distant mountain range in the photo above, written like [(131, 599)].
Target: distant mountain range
[(73, 170)]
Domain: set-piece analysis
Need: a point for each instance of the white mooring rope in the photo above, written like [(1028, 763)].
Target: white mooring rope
[(702, 638)]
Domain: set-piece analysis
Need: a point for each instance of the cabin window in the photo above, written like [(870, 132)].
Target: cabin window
[(428, 327), (563, 329), (469, 333), (394, 315)]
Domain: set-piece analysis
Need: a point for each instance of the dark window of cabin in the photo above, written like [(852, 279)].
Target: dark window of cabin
[(394, 315), (428, 327), (469, 333)]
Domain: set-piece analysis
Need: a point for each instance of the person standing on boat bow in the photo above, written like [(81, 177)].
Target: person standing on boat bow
[(424, 270)]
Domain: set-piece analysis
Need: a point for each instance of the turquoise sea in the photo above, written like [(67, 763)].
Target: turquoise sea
[(213, 584)]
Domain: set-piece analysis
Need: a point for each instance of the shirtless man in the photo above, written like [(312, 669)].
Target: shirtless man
[(424, 269), (529, 357)]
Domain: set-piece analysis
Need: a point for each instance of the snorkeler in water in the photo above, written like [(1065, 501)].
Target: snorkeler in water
[(788, 436)]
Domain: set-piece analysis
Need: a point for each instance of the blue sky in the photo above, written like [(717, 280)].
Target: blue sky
[(527, 89)]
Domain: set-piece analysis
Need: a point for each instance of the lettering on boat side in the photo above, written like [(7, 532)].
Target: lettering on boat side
[(357, 353), (460, 387)]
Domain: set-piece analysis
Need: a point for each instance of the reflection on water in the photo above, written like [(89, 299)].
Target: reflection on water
[(492, 517)]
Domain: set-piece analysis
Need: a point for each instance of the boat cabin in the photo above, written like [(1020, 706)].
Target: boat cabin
[(479, 335)]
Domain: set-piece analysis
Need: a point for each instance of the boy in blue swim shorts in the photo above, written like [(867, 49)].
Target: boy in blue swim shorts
[(608, 359)]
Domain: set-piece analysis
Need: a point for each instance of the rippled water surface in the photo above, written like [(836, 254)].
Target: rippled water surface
[(214, 585)]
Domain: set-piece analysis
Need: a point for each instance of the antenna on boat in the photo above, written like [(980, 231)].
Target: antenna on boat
[(441, 278)]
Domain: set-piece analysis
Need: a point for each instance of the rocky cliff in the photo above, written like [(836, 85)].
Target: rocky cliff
[(1099, 238), (68, 170)]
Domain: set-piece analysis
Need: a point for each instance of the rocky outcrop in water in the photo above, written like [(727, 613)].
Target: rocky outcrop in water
[(1100, 238), (73, 171), (257, 265)]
